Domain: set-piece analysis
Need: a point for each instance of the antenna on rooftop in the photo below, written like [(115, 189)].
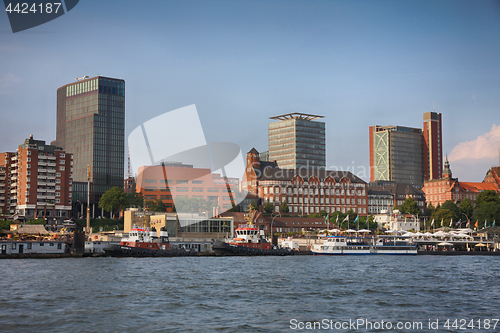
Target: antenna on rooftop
[(434, 102)]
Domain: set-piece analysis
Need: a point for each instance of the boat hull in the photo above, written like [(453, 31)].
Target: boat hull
[(226, 249), (128, 251)]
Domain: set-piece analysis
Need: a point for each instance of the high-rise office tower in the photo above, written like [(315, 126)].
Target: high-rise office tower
[(297, 141), (90, 125), (433, 148), (397, 154)]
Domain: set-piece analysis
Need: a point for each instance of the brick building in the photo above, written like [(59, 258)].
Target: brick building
[(448, 188), (180, 180), (305, 190), (41, 181), (6, 206)]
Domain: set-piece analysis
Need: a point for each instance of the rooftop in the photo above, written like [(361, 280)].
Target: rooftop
[(297, 115)]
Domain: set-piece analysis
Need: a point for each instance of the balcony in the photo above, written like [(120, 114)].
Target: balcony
[(42, 163), (51, 197), (51, 165), (41, 183), (53, 158), (13, 204), (13, 191), (51, 190), (13, 158), (42, 170), (51, 176), (41, 189)]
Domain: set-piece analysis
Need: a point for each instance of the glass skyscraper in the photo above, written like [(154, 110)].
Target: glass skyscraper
[(397, 154), (296, 141), (91, 125)]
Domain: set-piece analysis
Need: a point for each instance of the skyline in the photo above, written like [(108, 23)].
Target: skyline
[(356, 63)]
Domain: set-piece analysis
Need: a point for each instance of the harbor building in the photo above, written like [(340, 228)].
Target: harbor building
[(175, 180), (385, 195), (437, 191), (90, 125), (396, 154), (41, 179), (433, 145), (305, 190), (296, 140)]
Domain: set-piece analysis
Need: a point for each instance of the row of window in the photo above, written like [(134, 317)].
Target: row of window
[(312, 191)]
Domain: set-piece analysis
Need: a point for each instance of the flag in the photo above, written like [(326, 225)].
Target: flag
[(326, 218), (356, 220), (442, 222), (493, 223), (468, 224), (477, 223), (337, 219), (432, 222), (346, 218), (459, 222), (484, 224), (451, 222)]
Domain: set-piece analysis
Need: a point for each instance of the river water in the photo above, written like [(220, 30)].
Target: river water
[(250, 294)]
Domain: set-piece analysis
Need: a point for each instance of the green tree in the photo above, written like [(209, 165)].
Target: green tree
[(284, 207), (157, 206), (113, 199), (452, 207), (253, 205), (442, 217), (487, 196), (488, 211), (430, 210), (268, 207), (135, 199), (410, 206), (466, 208)]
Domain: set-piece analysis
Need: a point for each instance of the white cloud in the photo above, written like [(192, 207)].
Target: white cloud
[(485, 146), (8, 82)]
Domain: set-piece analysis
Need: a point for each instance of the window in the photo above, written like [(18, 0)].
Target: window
[(58, 187), (182, 189), (181, 181), (197, 189), (13, 246), (150, 180), (197, 182), (62, 168), (62, 155), (41, 244), (62, 161), (59, 246), (29, 246), (58, 174), (58, 194)]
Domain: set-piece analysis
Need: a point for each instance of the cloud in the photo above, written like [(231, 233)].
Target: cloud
[(485, 146), (8, 83)]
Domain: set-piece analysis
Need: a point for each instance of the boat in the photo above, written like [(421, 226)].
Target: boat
[(347, 245), (144, 243), (249, 240)]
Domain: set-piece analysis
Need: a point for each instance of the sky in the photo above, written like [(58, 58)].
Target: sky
[(358, 63)]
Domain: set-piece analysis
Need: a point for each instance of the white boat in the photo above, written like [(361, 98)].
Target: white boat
[(342, 245)]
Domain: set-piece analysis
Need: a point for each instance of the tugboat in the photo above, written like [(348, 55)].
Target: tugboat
[(249, 241), (143, 243)]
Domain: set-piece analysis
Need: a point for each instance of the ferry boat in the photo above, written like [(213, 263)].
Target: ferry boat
[(342, 245), (249, 240), (144, 243)]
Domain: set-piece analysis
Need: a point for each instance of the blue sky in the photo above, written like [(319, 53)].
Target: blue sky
[(358, 63)]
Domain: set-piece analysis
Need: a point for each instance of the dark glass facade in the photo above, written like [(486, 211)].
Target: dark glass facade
[(91, 126), (295, 142)]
